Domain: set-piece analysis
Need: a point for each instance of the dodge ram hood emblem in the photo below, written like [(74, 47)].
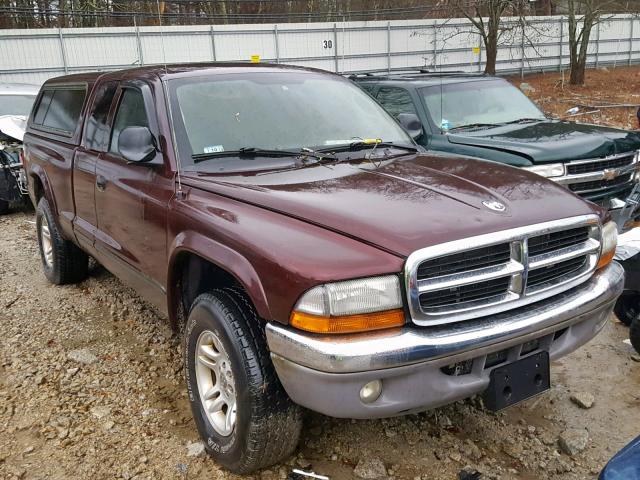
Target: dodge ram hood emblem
[(494, 205)]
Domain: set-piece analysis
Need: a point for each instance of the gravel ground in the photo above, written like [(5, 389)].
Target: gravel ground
[(91, 387)]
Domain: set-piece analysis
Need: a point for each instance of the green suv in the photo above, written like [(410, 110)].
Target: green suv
[(487, 117)]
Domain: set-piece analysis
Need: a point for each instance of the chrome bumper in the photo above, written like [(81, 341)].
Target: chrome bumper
[(320, 372)]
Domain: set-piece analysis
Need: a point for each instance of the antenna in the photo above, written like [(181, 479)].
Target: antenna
[(168, 101), (164, 55), (441, 93)]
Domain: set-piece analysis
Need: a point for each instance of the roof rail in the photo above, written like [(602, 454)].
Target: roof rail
[(416, 74)]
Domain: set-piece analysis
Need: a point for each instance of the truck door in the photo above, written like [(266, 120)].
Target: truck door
[(131, 202), (95, 141)]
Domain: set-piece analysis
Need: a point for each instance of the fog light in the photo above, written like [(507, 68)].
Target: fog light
[(371, 391)]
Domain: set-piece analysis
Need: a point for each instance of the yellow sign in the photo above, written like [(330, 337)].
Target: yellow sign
[(476, 50), (255, 58)]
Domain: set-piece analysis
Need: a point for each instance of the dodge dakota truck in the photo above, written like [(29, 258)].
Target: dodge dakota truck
[(308, 251), (487, 117)]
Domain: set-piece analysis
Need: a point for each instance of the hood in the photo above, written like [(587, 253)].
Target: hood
[(13, 126), (403, 204), (551, 140)]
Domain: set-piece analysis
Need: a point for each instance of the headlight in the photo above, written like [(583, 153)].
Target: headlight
[(608, 242), (351, 306), (550, 170)]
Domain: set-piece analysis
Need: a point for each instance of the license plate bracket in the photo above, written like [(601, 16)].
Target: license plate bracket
[(518, 381)]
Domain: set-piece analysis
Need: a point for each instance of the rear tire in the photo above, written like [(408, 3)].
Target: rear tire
[(627, 307), (4, 207), (634, 333), (227, 362), (62, 261)]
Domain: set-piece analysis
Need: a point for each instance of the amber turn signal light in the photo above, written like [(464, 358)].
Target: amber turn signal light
[(606, 258), (609, 241), (348, 323)]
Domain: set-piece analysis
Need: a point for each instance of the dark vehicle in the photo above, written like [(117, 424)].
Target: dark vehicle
[(16, 100), (627, 307), (487, 117), (625, 465), (308, 252)]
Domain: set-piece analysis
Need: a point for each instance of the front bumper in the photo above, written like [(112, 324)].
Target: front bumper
[(326, 373)]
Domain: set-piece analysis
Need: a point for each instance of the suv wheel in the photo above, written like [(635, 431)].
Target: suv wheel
[(634, 333), (62, 261), (4, 207), (627, 307), (242, 412)]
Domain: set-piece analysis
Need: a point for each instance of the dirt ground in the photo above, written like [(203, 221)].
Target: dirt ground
[(604, 86), (91, 387)]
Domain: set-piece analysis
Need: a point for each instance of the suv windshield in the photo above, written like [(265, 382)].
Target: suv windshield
[(16, 104), (287, 111), (479, 103)]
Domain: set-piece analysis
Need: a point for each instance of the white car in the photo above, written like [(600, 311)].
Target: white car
[(16, 100)]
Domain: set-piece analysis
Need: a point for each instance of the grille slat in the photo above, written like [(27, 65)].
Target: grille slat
[(557, 240), (600, 184), (599, 165), (546, 275), (465, 261), (465, 293)]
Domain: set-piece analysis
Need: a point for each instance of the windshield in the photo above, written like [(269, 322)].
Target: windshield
[(484, 102), (275, 111), (16, 104)]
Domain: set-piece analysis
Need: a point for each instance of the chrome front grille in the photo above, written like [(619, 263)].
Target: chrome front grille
[(491, 273), (597, 177), (588, 166)]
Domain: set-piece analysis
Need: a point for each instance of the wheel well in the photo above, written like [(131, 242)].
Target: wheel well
[(193, 275), (38, 189)]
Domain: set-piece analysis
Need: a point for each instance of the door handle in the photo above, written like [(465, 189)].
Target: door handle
[(101, 183)]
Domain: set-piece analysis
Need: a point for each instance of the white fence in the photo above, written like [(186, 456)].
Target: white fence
[(32, 56)]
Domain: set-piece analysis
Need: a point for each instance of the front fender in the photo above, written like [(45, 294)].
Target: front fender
[(222, 256)]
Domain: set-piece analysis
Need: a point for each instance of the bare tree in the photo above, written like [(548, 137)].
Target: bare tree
[(486, 16), (583, 16)]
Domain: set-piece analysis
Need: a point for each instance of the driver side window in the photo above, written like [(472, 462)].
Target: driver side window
[(131, 113)]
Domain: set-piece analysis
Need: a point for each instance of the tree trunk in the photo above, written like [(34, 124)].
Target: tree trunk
[(490, 37), (491, 50)]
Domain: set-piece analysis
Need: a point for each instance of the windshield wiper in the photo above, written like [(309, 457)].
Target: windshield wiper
[(476, 125), (362, 145), (524, 120), (262, 152)]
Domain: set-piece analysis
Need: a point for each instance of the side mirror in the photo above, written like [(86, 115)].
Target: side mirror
[(411, 123), (137, 145)]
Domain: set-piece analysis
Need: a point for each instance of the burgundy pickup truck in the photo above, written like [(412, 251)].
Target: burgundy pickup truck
[(308, 251)]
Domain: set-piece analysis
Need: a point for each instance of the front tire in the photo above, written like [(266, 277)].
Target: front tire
[(634, 333), (627, 307), (242, 412), (62, 261)]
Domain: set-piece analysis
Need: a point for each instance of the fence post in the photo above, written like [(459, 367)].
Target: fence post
[(435, 45), (335, 46), (561, 43), (213, 43), (275, 39), (633, 21), (389, 47), (522, 53), (597, 44), (139, 44)]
